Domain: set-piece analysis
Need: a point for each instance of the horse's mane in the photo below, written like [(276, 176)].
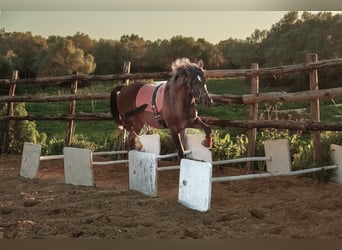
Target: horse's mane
[(183, 67), (182, 63)]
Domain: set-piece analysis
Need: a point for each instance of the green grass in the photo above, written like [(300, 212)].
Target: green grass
[(93, 130), (234, 86), (331, 112), (226, 86)]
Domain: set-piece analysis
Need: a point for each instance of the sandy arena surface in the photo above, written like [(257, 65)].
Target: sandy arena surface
[(272, 208)]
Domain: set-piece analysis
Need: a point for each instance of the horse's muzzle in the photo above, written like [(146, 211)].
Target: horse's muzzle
[(206, 100)]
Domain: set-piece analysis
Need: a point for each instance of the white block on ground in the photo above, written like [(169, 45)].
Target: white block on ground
[(78, 167), (143, 172), (195, 184), (151, 143), (193, 142), (30, 160), (336, 156), (279, 151)]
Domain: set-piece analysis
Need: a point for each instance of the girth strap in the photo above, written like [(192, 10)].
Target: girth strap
[(155, 109)]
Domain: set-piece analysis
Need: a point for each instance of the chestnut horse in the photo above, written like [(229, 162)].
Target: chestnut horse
[(168, 105)]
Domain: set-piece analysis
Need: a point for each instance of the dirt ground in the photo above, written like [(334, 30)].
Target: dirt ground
[(272, 208)]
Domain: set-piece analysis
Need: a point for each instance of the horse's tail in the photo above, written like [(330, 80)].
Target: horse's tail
[(114, 104), (136, 111)]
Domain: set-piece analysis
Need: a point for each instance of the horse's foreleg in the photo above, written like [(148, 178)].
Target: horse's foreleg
[(178, 143), (208, 141), (182, 136), (131, 140)]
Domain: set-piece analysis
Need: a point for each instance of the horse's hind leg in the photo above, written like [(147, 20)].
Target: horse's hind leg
[(134, 132), (131, 140)]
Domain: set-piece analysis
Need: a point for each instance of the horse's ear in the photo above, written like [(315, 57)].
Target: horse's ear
[(173, 66), (200, 64)]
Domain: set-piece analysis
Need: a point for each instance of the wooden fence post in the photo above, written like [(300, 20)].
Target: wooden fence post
[(9, 112), (72, 111), (315, 110), (253, 115), (123, 133), (126, 70)]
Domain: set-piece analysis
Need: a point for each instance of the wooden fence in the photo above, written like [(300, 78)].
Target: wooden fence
[(311, 66)]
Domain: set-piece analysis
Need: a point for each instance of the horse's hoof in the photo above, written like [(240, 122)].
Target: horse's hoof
[(138, 145), (207, 142)]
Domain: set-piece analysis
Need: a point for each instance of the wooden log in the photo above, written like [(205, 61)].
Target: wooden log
[(275, 71), (10, 111), (81, 116), (246, 124), (253, 115), (294, 97), (56, 98), (122, 137), (126, 70), (301, 96), (225, 98), (277, 124), (315, 111), (80, 77), (72, 110), (230, 99)]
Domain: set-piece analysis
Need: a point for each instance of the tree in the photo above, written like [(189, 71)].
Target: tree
[(62, 57), (5, 68), (24, 46), (276, 45), (84, 42), (237, 53), (257, 36), (181, 46), (155, 56), (109, 56), (209, 53), (135, 48)]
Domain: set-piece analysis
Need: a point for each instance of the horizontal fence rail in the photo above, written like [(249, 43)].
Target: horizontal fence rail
[(224, 73), (279, 96), (80, 77), (225, 98), (279, 124)]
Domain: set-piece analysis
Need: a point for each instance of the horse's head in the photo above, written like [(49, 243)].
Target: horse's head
[(194, 76)]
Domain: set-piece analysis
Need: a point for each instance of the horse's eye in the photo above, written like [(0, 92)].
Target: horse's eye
[(199, 78)]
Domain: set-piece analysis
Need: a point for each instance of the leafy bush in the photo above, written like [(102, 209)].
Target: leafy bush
[(227, 147), (21, 131), (55, 145), (301, 145), (328, 138)]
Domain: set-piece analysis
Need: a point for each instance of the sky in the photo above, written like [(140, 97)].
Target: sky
[(213, 26), (213, 20)]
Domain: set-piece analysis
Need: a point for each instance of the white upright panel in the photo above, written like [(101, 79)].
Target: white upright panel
[(151, 143), (78, 167), (143, 172), (193, 142), (30, 160), (336, 156), (195, 184), (279, 151)]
